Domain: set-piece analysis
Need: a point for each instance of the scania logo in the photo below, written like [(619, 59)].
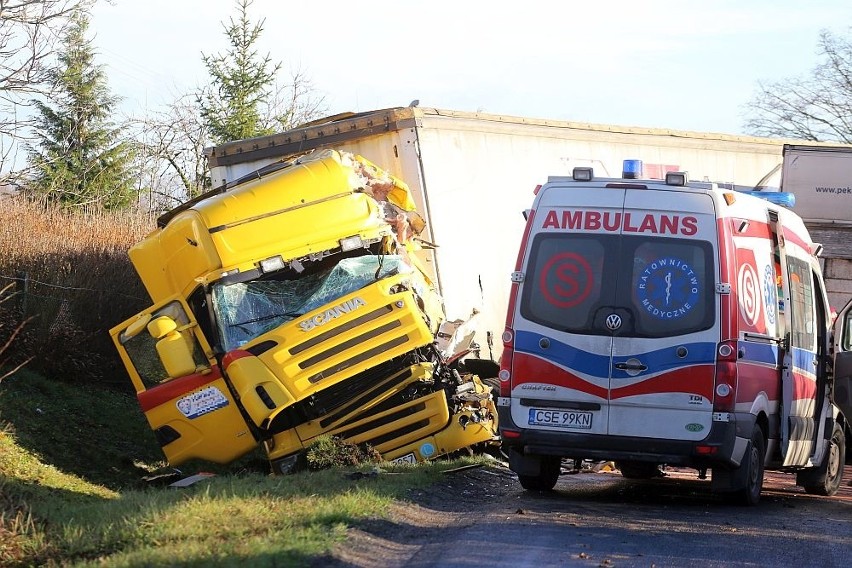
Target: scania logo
[(323, 318), (613, 321)]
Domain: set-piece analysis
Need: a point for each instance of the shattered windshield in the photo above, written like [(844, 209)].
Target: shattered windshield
[(245, 310)]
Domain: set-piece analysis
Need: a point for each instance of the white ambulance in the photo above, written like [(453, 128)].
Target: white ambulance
[(668, 323)]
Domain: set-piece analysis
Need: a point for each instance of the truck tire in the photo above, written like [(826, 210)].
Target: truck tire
[(548, 473), (494, 383), (638, 470), (755, 455), (826, 480)]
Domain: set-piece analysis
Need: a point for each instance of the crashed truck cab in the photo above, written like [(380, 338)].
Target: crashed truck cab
[(296, 304)]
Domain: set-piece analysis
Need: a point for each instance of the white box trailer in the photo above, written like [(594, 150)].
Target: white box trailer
[(820, 176), (821, 179), (473, 174)]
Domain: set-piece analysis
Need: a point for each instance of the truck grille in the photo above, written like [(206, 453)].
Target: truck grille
[(384, 420), (349, 347), (330, 334), (359, 358), (398, 421), (342, 398)]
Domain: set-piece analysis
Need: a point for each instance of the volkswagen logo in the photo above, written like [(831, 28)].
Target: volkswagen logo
[(613, 322)]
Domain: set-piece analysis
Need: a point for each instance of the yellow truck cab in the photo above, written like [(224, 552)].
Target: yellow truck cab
[(292, 303)]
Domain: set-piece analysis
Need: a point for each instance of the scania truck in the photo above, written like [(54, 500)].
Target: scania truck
[(293, 303)]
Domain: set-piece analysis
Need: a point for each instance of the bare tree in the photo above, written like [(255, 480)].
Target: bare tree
[(816, 108), (172, 161), (29, 32), (292, 104), (172, 158)]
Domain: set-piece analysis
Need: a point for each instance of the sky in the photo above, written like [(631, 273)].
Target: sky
[(672, 64)]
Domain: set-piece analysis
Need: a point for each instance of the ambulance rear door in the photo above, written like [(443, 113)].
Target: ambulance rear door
[(803, 381), (664, 322), (561, 366), (843, 361)]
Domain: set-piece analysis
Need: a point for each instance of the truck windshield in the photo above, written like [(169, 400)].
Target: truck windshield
[(246, 310)]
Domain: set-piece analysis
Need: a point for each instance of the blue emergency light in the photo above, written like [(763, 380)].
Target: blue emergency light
[(632, 169), (783, 198)]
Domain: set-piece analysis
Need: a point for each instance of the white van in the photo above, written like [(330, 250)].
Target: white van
[(668, 322)]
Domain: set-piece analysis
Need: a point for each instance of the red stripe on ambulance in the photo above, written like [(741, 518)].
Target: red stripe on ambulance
[(531, 369)]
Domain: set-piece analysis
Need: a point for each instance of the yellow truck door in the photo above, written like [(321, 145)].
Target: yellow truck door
[(181, 390)]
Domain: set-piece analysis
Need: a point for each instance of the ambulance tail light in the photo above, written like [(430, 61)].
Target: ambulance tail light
[(505, 374), (725, 384)]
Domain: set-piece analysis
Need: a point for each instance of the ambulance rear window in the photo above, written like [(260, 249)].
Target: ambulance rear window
[(658, 286)]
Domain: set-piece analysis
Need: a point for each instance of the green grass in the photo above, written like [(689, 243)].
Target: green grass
[(71, 492)]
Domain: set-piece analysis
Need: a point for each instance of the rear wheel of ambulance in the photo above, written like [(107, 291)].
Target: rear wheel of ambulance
[(753, 462), (825, 480), (551, 467)]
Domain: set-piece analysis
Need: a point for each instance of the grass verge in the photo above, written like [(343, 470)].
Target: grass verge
[(71, 462)]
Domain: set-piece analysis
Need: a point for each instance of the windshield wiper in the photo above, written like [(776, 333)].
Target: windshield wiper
[(293, 314)]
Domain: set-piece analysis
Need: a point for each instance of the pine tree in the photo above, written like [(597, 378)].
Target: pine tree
[(240, 83), (80, 159)]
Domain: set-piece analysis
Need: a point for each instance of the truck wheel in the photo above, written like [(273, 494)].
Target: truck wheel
[(753, 461), (638, 470), (547, 475), (494, 383), (829, 474)]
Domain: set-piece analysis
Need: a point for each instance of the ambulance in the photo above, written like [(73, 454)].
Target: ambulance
[(669, 323)]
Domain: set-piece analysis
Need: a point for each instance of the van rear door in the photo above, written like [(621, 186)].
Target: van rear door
[(664, 353), (843, 360), (616, 326), (802, 379)]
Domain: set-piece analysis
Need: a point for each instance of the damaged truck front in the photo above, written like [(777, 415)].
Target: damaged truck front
[(294, 304)]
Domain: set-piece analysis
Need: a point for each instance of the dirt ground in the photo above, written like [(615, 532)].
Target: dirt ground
[(462, 520)]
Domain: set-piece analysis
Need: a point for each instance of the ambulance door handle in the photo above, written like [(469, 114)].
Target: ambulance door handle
[(630, 367)]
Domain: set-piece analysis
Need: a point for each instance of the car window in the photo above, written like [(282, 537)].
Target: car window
[(659, 286)]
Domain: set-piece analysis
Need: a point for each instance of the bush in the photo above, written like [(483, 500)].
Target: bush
[(73, 278), (329, 451), (10, 328)]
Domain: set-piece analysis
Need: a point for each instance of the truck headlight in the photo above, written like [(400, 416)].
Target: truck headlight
[(351, 243), (272, 264)]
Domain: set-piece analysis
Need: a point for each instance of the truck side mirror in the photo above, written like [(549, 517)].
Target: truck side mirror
[(172, 348), (137, 326)]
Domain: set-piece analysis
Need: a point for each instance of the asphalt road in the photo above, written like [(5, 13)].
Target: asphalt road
[(482, 517)]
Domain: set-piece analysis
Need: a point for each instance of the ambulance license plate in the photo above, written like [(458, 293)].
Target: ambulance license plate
[(574, 419)]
